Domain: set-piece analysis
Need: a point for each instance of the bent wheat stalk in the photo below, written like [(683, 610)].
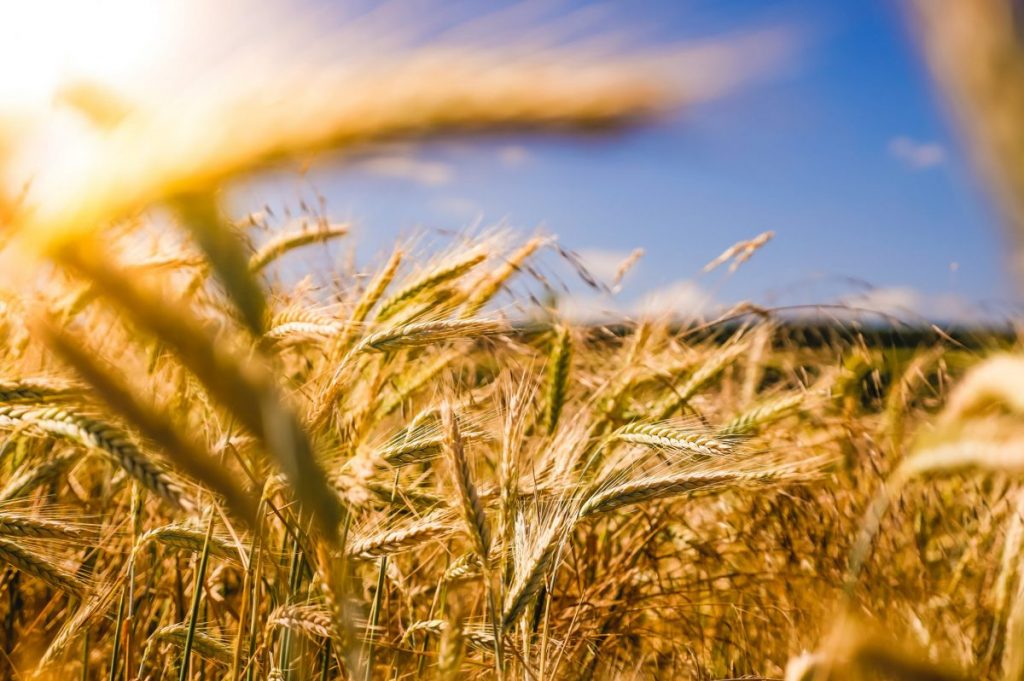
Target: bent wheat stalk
[(655, 487), (402, 538), (288, 241), (37, 566), (36, 390), (669, 437), (182, 450), (95, 434), (189, 539), (308, 619), (244, 385), (428, 281), (203, 643), (13, 525), (419, 334)]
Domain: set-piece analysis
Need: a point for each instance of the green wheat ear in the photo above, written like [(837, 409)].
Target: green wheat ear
[(559, 360)]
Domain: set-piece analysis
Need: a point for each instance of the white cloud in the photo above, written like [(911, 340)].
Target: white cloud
[(589, 308), (602, 263), (951, 307), (687, 300), (679, 300), (896, 300), (908, 304), (430, 173), (917, 155)]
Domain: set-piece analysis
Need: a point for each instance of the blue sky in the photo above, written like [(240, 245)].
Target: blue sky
[(845, 152)]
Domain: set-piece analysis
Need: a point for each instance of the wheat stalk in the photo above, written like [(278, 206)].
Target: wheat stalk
[(244, 385), (182, 449)]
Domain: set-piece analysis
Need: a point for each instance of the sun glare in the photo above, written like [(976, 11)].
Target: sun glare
[(45, 43)]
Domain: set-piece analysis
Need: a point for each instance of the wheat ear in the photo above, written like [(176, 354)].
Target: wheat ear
[(478, 637), (429, 281), (202, 643), (493, 282), (415, 451), (309, 619), (287, 241), (700, 378), (665, 486), (467, 566), (532, 570), (419, 334), (470, 506), (13, 525), (188, 539), (410, 385), (299, 331), (402, 538), (36, 390), (37, 566), (40, 474), (757, 417), (557, 377), (98, 435), (669, 437)]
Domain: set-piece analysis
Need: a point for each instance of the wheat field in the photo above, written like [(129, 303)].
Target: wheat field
[(213, 466), (399, 484)]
